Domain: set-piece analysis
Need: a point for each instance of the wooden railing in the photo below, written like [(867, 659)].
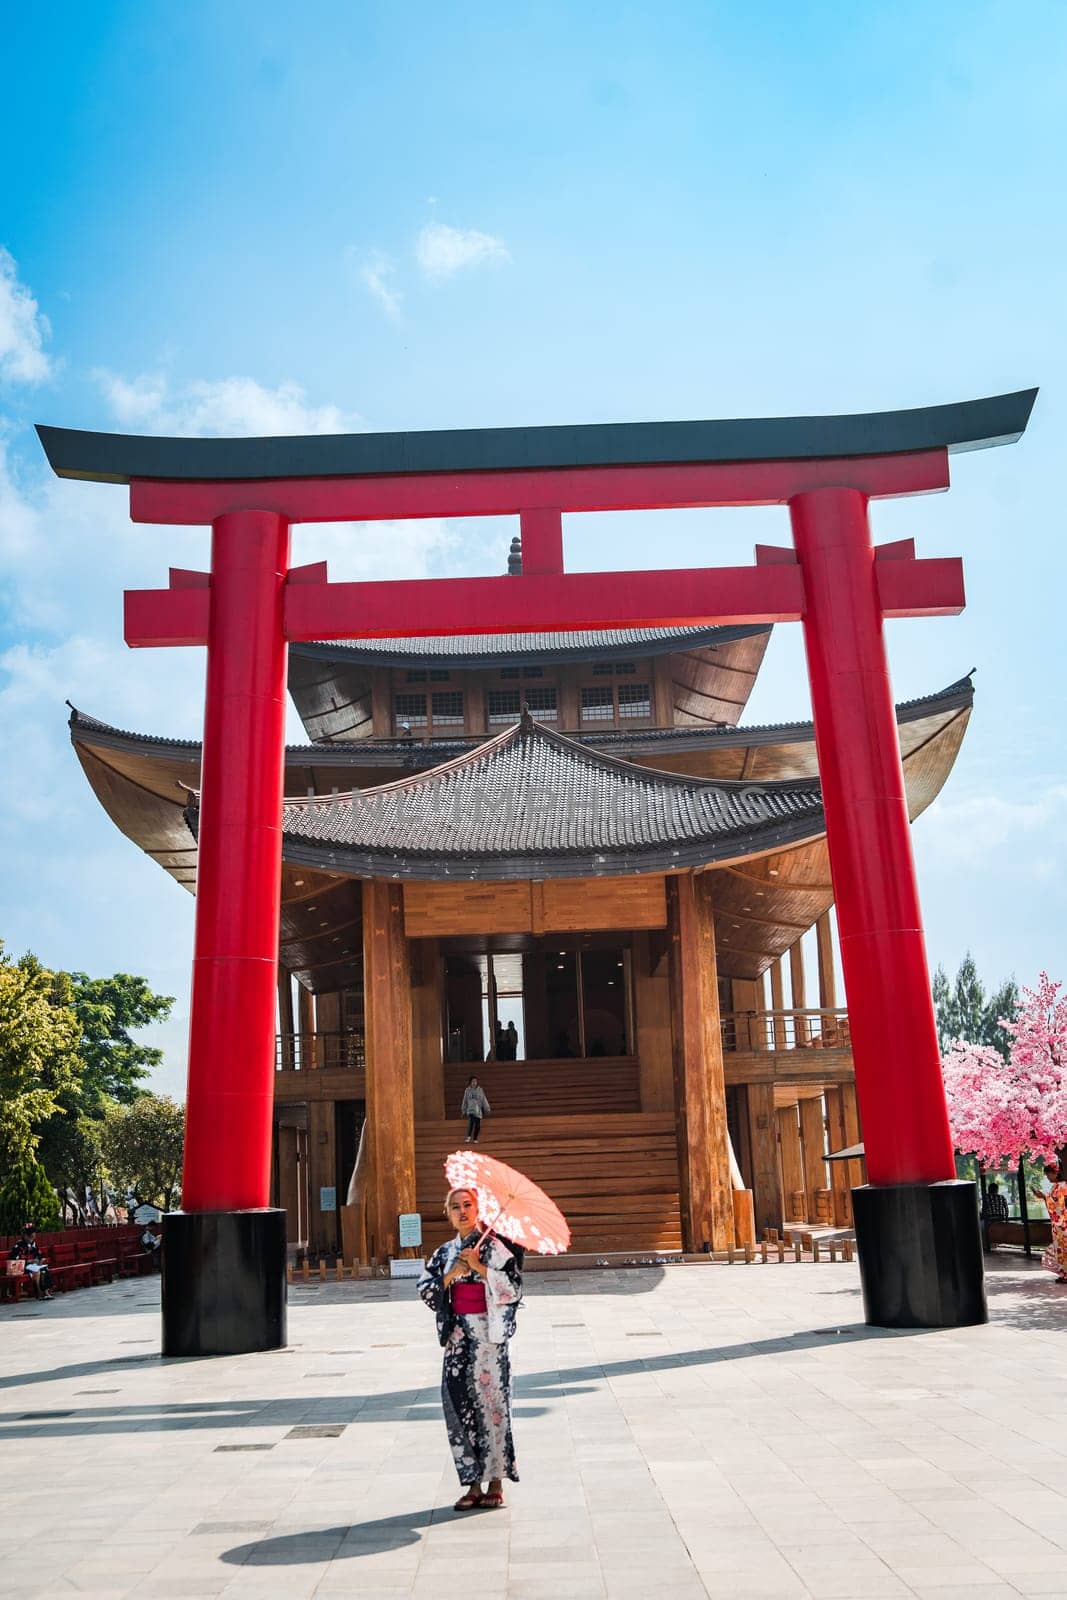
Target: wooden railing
[(785, 1030), (306, 1052)]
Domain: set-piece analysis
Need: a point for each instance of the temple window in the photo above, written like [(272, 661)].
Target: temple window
[(541, 704), (445, 711), (598, 705), (415, 677), (504, 705), (634, 700)]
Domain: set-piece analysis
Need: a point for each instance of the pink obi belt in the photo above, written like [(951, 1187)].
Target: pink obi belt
[(468, 1299)]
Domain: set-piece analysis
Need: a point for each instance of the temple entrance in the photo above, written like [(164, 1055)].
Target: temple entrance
[(566, 998)]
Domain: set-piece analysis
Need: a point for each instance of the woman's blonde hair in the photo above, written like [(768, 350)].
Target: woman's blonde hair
[(463, 1189)]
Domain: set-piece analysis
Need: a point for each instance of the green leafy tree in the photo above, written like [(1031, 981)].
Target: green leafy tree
[(39, 1059), (71, 1155), (142, 1148), (27, 1196), (115, 1065), (966, 1014)]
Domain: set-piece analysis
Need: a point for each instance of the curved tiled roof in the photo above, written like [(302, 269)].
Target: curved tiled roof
[(495, 649), (341, 753), (531, 801)]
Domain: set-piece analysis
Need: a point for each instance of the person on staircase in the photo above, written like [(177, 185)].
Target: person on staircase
[(475, 1106)]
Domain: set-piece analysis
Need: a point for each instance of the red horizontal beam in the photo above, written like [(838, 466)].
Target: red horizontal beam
[(932, 588), (165, 616), (484, 494), (415, 608)]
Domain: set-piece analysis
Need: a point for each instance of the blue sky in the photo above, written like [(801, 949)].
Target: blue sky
[(258, 218)]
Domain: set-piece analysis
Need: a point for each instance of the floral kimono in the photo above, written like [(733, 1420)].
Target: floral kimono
[(476, 1379), (1055, 1257)]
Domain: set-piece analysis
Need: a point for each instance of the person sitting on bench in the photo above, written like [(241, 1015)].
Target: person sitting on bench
[(28, 1250)]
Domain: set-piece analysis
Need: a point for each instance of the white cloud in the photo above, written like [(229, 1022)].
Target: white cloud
[(442, 251), (375, 273), (225, 406), (972, 828), (23, 329)]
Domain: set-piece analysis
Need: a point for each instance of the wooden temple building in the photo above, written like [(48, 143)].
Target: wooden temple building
[(572, 831)]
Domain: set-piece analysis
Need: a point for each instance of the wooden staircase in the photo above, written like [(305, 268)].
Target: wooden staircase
[(614, 1176), (534, 1088)]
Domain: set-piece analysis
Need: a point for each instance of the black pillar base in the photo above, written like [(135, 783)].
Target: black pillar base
[(920, 1250), (224, 1290)]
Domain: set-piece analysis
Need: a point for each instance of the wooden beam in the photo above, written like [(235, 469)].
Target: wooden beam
[(824, 930), (792, 1164), (840, 1177), (699, 1087), (813, 1139), (390, 1081), (652, 1007), (763, 1139), (427, 1029), (798, 989), (286, 1028), (322, 1174), (778, 1005)]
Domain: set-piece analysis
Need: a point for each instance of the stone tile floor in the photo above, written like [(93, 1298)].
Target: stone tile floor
[(682, 1431)]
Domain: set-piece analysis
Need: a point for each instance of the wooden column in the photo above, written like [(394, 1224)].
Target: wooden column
[(813, 1137), (824, 932), (792, 1163), (305, 1004), (837, 1136), (699, 1090), (381, 704), (289, 1181), (652, 1015), (850, 1113), (663, 692), (763, 1142), (778, 1005), (427, 1030), (568, 702), (390, 1085), (474, 704), (749, 995), (798, 990), (322, 1174), (286, 1028)]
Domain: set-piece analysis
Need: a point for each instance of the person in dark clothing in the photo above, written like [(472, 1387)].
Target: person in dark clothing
[(27, 1249), (511, 1036)]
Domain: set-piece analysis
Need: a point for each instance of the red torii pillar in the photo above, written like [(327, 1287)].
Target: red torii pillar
[(917, 1226)]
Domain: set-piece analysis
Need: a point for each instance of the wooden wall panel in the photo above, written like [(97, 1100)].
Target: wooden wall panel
[(322, 1173), (432, 910), (813, 1136), (574, 904), (561, 905)]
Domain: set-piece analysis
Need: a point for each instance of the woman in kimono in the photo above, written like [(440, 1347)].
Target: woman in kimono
[(474, 1286), (1055, 1257)]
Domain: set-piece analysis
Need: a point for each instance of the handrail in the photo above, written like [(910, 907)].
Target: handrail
[(310, 1052), (797, 1028)]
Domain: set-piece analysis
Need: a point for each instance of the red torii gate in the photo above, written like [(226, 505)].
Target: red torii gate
[(917, 1226)]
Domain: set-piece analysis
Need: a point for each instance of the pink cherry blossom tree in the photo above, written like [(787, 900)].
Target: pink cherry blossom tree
[(1004, 1110)]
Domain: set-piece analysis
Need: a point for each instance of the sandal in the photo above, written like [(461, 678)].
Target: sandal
[(493, 1499), (470, 1499)]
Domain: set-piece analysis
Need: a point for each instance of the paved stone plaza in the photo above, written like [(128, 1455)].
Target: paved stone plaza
[(681, 1431)]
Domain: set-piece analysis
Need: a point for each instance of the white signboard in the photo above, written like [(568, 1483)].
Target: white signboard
[(410, 1230)]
